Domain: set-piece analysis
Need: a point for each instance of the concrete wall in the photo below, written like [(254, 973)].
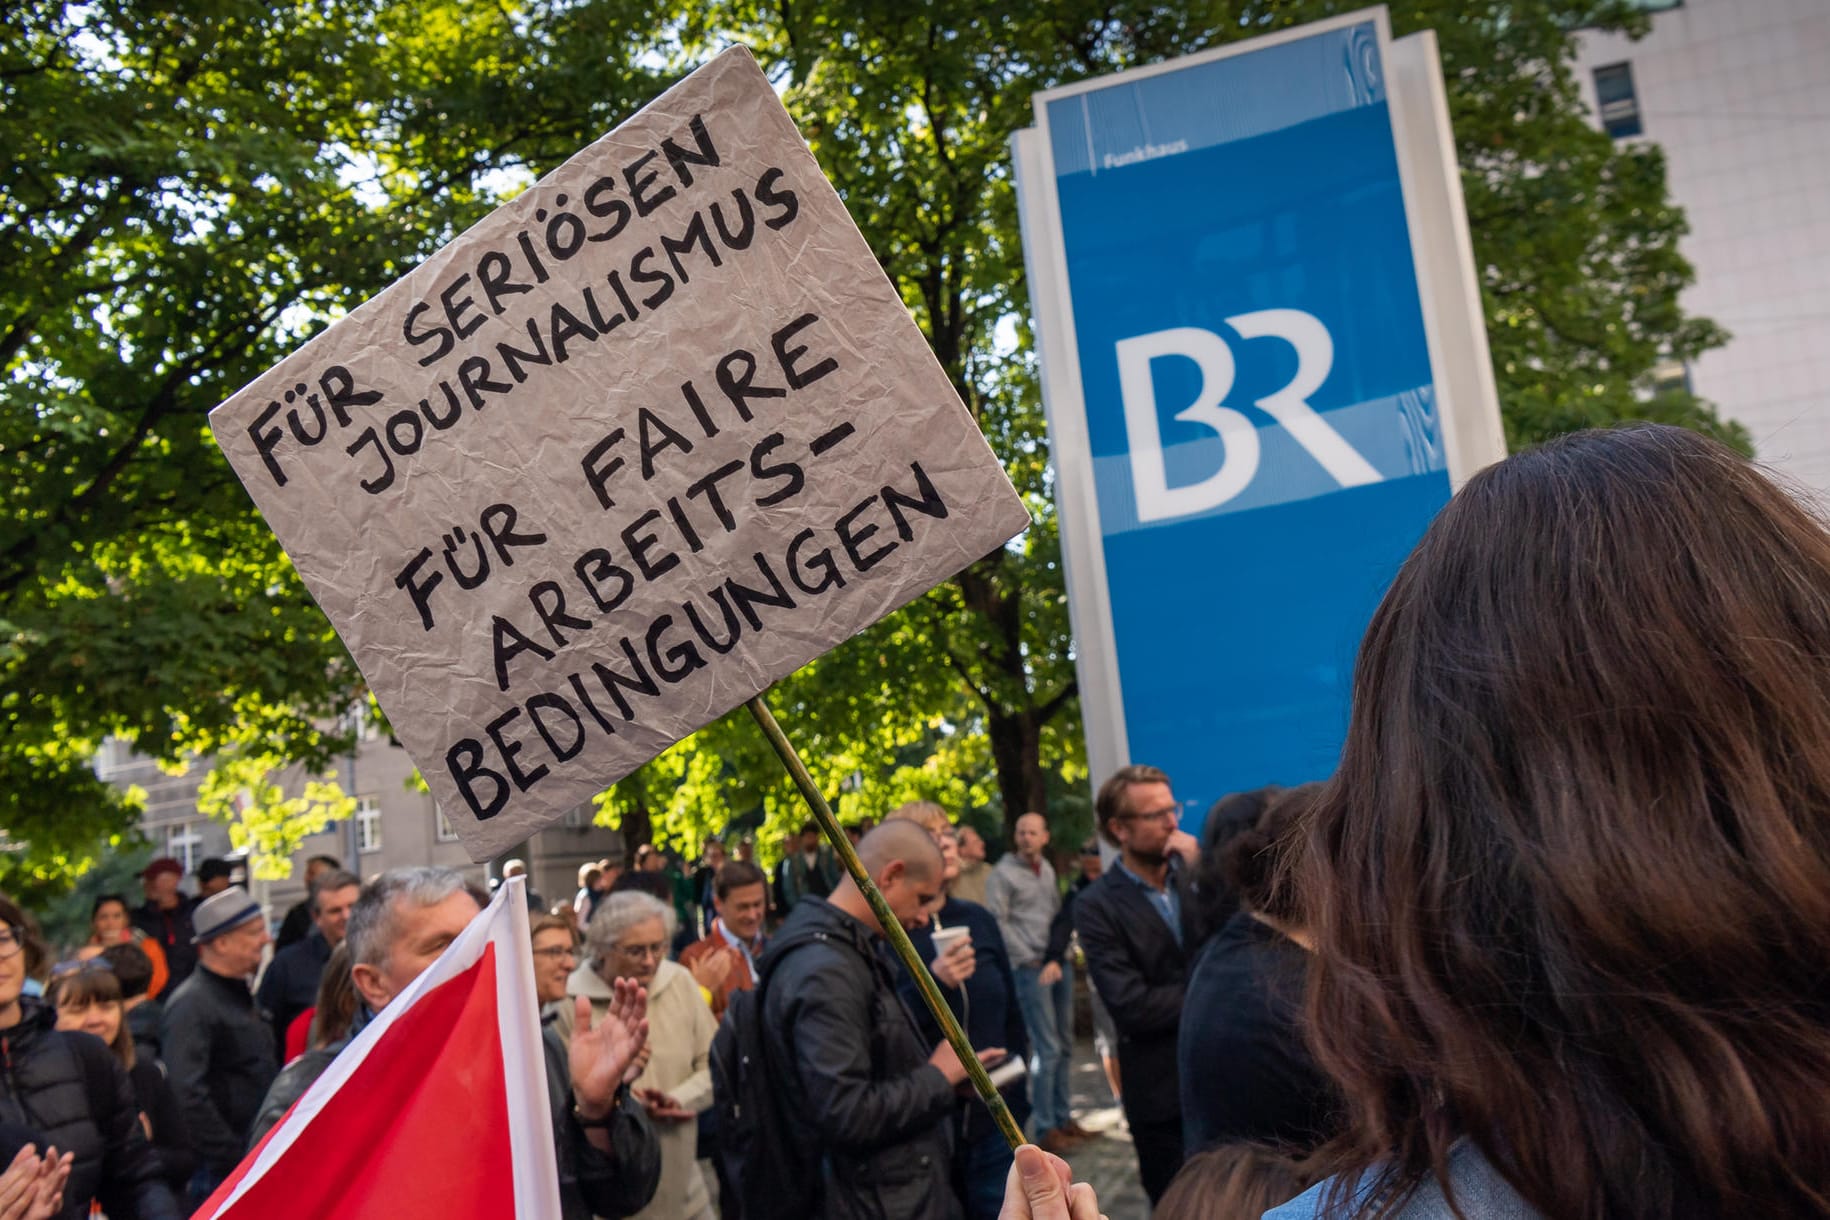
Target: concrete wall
[(1737, 94)]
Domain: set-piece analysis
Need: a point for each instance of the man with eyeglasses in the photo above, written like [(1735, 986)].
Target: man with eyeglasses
[(1135, 930)]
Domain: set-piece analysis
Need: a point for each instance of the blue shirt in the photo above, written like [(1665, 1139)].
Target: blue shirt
[(1167, 901), (749, 954)]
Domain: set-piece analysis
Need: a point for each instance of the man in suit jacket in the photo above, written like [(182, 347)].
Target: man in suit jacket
[(1134, 926)]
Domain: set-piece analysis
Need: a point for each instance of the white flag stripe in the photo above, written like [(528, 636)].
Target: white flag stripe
[(530, 1116)]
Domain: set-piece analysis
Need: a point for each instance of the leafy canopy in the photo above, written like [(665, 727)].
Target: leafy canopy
[(191, 195)]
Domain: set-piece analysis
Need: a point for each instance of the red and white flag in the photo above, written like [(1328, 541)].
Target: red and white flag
[(437, 1110)]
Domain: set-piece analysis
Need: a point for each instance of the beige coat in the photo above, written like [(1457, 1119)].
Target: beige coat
[(680, 1030)]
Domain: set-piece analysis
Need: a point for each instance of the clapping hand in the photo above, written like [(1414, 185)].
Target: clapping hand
[(32, 1187), (714, 968), (601, 1054)]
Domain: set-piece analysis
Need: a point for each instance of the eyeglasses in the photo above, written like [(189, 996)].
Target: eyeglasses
[(1155, 815), (556, 952), (12, 940), (658, 951)]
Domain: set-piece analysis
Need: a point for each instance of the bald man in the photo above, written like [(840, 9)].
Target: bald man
[(1025, 898), (864, 1098)]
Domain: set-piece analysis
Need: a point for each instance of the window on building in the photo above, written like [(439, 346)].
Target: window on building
[(115, 755), (445, 832), (1618, 102), (368, 824), (181, 843)]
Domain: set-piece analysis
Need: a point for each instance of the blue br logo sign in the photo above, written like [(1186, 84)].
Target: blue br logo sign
[(1236, 430)]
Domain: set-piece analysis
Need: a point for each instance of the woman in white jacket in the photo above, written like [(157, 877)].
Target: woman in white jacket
[(628, 939)]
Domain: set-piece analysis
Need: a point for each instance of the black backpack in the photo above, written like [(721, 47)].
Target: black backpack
[(770, 1178)]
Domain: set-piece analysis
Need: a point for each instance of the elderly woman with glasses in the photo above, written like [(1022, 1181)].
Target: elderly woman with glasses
[(628, 939)]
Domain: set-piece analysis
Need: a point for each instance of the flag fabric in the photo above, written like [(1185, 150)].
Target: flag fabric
[(437, 1110)]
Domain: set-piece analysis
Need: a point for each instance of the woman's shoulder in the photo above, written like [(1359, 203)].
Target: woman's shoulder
[(1478, 1188), (669, 976)]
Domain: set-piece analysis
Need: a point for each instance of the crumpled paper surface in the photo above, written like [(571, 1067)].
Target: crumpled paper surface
[(567, 501)]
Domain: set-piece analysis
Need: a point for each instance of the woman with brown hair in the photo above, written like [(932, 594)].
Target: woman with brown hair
[(110, 923), (1244, 1071), (88, 1000), (1570, 888)]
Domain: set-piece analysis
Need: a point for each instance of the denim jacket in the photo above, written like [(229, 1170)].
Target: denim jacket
[(1480, 1192)]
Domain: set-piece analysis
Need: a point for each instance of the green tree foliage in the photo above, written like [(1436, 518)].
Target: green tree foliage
[(191, 195)]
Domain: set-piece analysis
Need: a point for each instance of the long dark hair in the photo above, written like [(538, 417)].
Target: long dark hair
[(1570, 887), (335, 1010)]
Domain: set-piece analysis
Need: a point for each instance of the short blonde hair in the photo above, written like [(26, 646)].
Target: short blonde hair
[(925, 814)]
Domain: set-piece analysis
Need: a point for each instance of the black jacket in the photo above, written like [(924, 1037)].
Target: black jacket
[(153, 1093), (862, 1094), (290, 985), (69, 1089), (295, 927), (143, 1022), (1141, 972), (172, 929), (592, 1182), (1245, 1073), (219, 1058)]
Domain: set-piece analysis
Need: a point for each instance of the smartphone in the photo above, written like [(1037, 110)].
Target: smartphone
[(1010, 1068)]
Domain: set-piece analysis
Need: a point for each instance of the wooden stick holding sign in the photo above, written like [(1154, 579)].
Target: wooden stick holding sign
[(892, 927)]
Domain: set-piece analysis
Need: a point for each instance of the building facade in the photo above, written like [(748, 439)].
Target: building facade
[(394, 826), (1735, 93)]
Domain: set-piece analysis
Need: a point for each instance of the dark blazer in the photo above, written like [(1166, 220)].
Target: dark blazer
[(290, 985), (1142, 974)]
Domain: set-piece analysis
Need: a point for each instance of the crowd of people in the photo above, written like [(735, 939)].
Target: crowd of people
[(1553, 941)]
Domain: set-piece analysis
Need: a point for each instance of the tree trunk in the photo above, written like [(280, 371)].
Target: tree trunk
[(1016, 752), (637, 827)]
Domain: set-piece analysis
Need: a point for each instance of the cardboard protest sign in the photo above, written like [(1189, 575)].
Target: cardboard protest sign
[(647, 438)]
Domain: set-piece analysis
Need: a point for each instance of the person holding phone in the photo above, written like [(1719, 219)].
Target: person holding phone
[(967, 957)]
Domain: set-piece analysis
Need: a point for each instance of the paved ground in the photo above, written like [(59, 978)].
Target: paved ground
[(1106, 1161)]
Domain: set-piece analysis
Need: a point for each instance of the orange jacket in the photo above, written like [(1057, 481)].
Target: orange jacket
[(737, 980)]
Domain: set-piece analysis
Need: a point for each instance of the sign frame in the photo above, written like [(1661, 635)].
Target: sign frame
[(1443, 262)]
